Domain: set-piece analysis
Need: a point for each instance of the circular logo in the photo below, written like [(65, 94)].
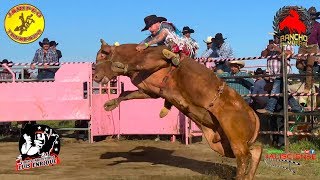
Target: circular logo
[(38, 141), (24, 23)]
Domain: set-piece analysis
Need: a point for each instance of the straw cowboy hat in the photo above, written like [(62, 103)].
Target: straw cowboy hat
[(240, 63), (151, 20), (53, 43), (209, 40), (44, 41), (186, 29)]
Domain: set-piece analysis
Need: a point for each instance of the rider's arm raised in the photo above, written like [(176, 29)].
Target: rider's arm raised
[(158, 38)]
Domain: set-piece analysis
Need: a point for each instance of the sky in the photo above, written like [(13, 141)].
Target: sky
[(78, 25)]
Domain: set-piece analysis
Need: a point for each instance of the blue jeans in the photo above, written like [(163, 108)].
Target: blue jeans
[(45, 74), (272, 102)]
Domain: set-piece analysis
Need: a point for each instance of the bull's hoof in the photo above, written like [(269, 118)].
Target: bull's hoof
[(164, 111), (111, 105)]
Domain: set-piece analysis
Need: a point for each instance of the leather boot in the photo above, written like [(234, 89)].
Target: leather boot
[(175, 58)]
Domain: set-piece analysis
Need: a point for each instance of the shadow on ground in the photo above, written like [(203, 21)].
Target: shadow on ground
[(165, 157)]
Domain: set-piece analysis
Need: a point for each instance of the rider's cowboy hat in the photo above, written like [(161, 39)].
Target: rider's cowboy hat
[(209, 40), (152, 19), (219, 37), (5, 61), (313, 13), (44, 41), (186, 29), (53, 43), (240, 63)]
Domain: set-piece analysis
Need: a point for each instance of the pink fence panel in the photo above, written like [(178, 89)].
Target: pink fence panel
[(63, 99), (104, 122), (142, 116)]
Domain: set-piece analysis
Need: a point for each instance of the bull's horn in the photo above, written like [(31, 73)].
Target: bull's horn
[(103, 42)]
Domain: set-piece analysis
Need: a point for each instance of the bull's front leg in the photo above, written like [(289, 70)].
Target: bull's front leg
[(126, 95), (165, 109)]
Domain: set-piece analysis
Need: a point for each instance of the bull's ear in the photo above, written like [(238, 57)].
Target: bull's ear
[(103, 42)]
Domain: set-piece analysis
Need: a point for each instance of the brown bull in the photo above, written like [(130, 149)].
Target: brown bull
[(228, 123)]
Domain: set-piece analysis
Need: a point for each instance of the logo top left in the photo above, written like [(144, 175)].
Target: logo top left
[(24, 23)]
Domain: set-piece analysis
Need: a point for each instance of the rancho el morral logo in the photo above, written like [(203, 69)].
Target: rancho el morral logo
[(39, 146), (292, 25), (24, 23)]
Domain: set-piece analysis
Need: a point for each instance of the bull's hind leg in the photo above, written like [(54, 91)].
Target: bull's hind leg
[(255, 151), (217, 141)]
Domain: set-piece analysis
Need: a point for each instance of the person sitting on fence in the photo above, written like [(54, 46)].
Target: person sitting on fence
[(310, 65), (241, 85), (44, 55), (165, 33), (223, 50), (186, 31), (275, 68), (5, 75)]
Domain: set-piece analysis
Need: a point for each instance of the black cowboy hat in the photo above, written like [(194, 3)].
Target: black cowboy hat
[(152, 19), (259, 71), (186, 29), (313, 13), (44, 41), (5, 61), (218, 37), (53, 43)]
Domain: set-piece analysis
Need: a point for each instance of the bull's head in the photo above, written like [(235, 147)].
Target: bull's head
[(106, 68)]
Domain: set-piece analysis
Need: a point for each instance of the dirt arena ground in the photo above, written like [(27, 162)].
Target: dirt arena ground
[(140, 159)]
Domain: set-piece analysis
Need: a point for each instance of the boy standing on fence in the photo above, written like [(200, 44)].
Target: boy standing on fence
[(274, 67)]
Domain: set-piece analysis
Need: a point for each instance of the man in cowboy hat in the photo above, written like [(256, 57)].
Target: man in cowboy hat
[(223, 50), (44, 55), (241, 85), (164, 33), (209, 52), (53, 46), (186, 31), (310, 65), (274, 67)]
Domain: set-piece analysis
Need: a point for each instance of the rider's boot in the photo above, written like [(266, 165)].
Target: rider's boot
[(175, 58)]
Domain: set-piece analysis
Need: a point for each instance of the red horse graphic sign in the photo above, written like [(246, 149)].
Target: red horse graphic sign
[(291, 25)]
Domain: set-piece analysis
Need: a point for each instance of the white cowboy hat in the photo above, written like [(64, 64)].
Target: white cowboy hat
[(240, 63), (209, 40)]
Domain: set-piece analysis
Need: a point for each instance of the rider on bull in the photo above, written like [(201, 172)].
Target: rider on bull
[(165, 33)]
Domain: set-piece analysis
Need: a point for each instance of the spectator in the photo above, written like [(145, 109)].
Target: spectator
[(208, 52), (274, 67), (259, 102), (310, 66), (53, 46), (223, 50), (5, 74), (44, 55), (241, 85), (186, 31)]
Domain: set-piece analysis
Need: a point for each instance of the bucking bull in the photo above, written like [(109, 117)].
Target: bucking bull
[(228, 123)]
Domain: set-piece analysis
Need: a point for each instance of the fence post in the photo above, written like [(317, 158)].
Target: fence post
[(285, 97)]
